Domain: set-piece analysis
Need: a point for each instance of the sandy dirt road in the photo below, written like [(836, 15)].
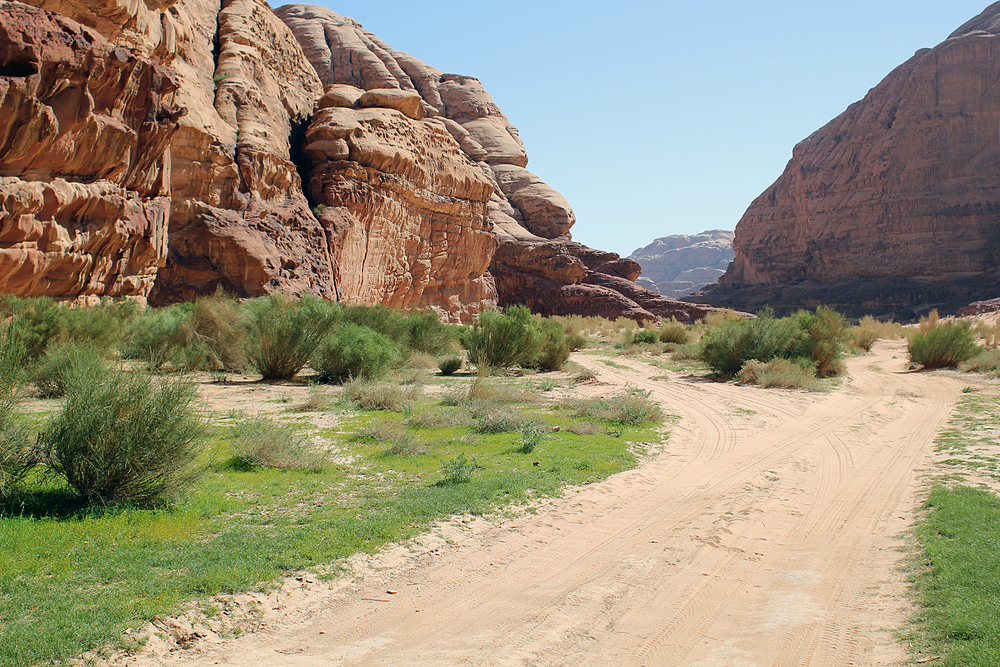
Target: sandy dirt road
[(767, 533)]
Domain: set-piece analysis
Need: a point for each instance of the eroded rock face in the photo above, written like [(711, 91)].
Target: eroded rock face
[(535, 263), (678, 265), (84, 181), (405, 211), (895, 202), (240, 218)]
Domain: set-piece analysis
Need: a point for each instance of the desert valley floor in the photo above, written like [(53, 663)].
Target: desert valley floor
[(768, 531)]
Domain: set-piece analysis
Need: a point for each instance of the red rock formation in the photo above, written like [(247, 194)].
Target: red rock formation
[(405, 210), (84, 186), (892, 204), (536, 264)]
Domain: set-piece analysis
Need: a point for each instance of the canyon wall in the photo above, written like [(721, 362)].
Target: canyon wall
[(892, 207), (167, 148)]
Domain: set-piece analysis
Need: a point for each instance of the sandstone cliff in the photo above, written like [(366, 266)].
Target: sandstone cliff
[(894, 204), (165, 148), (678, 265), (536, 262), (84, 184)]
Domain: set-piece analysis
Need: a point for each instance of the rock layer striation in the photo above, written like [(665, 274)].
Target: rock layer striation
[(84, 177), (893, 205)]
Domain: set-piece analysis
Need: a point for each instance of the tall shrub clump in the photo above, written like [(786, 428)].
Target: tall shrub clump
[(503, 340), (17, 455), (283, 333), (122, 437), (353, 351), (732, 343), (943, 345)]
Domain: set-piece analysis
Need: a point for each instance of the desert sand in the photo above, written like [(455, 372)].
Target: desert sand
[(768, 531)]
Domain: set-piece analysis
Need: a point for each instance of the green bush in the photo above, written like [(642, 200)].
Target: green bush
[(283, 333), (220, 324), (457, 470), (498, 341), (449, 365), (53, 371), (123, 438), (258, 441), (35, 321), (17, 453), (987, 361), (531, 438), (943, 346), (553, 350), (732, 343), (642, 337), (426, 333), (674, 332), (631, 407), (827, 334), (162, 336), (353, 351)]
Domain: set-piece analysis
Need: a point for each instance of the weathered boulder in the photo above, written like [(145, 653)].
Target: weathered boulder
[(678, 265), (84, 183), (894, 203)]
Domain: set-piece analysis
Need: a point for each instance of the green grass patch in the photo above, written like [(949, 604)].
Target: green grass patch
[(958, 587), (75, 578)]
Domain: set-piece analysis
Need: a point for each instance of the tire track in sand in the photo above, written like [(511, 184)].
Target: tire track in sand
[(756, 538)]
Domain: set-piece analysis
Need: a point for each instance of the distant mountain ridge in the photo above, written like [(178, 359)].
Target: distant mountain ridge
[(681, 264)]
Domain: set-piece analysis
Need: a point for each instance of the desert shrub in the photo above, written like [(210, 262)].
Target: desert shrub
[(353, 351), (482, 389), (553, 349), (102, 325), (990, 333), (17, 452), (827, 334), (388, 322), (531, 438), (718, 318), (502, 340), (942, 346), (162, 336), (643, 337), (383, 396), (283, 333), (576, 341), (632, 407), (458, 470), (439, 418), (450, 365), (220, 324), (929, 321), (987, 361), (52, 372), (35, 321), (728, 346), (674, 332), (426, 333), (496, 418), (865, 339), (258, 441), (778, 372), (121, 437)]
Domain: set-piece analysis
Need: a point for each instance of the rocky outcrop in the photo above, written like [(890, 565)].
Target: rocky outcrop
[(240, 218), (405, 212), (678, 265), (894, 204), (536, 263), (84, 178)]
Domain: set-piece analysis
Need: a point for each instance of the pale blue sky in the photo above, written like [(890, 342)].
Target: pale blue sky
[(656, 118)]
